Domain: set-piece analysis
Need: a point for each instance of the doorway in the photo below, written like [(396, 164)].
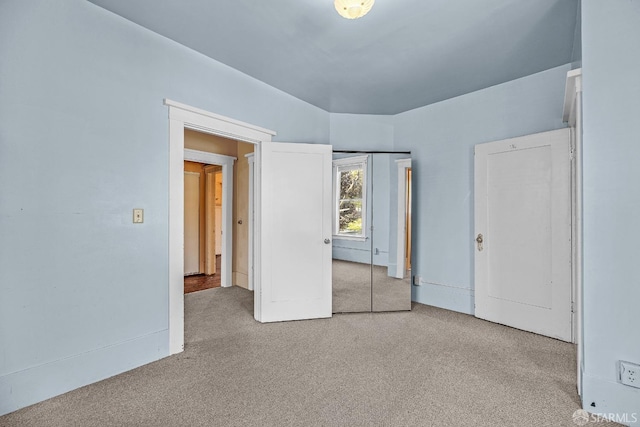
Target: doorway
[(184, 117), (372, 232), (203, 229), (274, 166), (225, 194)]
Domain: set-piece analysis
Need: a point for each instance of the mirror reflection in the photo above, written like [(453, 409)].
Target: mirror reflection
[(372, 232)]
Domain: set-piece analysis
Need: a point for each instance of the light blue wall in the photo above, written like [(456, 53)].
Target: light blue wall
[(361, 132), (611, 147), (441, 138), (381, 180), (83, 141), (576, 51), (369, 133)]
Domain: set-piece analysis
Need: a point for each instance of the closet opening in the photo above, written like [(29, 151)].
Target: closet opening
[(371, 245)]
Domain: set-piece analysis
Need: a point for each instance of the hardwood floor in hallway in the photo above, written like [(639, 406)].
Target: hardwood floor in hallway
[(201, 282)]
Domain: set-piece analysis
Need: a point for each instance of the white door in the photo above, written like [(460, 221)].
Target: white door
[(523, 233), (218, 228), (294, 232), (191, 223)]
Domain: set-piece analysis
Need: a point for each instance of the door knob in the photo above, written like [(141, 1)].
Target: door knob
[(479, 241), (327, 241)]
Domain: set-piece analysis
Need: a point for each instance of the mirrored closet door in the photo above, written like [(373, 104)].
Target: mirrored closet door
[(372, 232)]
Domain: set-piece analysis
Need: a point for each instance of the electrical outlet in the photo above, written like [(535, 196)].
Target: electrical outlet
[(416, 280), (630, 374)]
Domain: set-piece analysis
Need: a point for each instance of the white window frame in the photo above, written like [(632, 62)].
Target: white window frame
[(339, 165)]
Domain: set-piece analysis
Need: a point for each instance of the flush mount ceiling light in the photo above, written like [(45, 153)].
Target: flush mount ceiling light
[(353, 9)]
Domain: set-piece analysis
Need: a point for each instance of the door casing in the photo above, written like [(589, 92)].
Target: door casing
[(181, 117), (227, 205), (401, 252), (192, 226), (211, 242), (572, 115)]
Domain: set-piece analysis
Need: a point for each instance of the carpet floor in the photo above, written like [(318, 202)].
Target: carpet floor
[(425, 367), (358, 287)]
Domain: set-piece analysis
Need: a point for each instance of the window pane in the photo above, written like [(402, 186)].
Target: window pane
[(350, 206)]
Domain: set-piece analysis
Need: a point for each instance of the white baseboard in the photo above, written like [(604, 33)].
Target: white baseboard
[(23, 388), (443, 296)]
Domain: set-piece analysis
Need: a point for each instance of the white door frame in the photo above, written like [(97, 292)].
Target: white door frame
[(227, 205), (250, 159), (194, 226), (572, 115), (403, 165), (183, 117)]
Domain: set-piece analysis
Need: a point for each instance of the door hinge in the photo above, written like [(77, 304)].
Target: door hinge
[(571, 154), (572, 307)]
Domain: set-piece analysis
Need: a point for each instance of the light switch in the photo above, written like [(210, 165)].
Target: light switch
[(138, 216)]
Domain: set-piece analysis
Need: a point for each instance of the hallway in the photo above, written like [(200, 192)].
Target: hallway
[(200, 282)]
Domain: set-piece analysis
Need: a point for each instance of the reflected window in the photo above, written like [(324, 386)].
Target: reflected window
[(350, 189)]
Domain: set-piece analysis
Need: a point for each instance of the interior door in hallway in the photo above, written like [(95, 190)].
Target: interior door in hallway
[(191, 223), (218, 212), (295, 232), (523, 233)]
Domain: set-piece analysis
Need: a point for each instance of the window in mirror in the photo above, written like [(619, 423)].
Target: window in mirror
[(350, 197)]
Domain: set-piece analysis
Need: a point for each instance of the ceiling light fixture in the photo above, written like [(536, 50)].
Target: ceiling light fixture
[(353, 9)]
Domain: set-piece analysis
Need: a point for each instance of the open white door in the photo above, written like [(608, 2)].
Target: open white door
[(294, 232), (523, 233)]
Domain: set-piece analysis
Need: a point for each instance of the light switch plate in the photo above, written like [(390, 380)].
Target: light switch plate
[(138, 216)]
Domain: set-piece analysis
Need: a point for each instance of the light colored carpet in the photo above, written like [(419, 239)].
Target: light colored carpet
[(425, 367), (354, 283), (351, 286)]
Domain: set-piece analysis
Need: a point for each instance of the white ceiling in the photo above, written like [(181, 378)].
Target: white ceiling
[(402, 55)]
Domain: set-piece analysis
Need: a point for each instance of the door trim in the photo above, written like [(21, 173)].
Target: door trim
[(181, 117), (572, 115), (403, 165), (199, 270), (209, 220), (227, 205), (250, 159)]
